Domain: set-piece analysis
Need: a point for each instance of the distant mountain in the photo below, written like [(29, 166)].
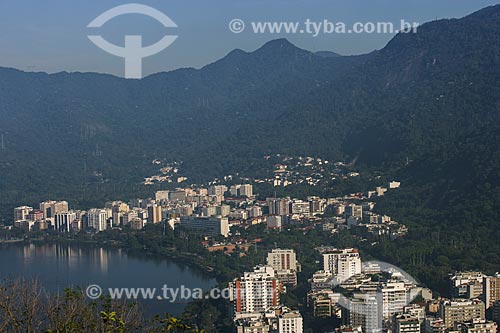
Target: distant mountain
[(423, 96), (327, 54)]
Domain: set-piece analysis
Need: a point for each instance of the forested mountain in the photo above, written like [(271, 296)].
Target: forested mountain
[(431, 98)]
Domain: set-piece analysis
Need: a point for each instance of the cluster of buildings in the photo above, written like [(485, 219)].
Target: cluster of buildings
[(365, 296), (313, 171), (255, 296), (354, 212), (198, 210), (478, 287), (361, 220), (213, 210), (369, 297)]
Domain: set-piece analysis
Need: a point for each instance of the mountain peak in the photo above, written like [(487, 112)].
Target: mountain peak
[(327, 54), (280, 45)]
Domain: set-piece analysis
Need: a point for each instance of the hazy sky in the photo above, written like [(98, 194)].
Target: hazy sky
[(51, 35)]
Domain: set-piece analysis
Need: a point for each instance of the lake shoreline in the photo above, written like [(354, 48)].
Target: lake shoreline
[(190, 260)]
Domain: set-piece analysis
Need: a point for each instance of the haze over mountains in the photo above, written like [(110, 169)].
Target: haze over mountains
[(432, 97)]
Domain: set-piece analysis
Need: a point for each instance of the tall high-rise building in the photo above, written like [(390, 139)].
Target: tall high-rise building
[(392, 298), (364, 313), (97, 219), (284, 262), (355, 211), (255, 291), (241, 190), (63, 221), (21, 213), (46, 208), (50, 208), (281, 259), (218, 192), (59, 207), (118, 210), (342, 264), (279, 206), (154, 213), (316, 205), (491, 290), (274, 222)]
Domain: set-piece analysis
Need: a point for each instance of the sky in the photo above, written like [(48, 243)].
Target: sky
[(52, 35)]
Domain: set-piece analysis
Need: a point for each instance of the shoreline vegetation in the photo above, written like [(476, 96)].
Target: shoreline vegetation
[(186, 249), (26, 306), (184, 322)]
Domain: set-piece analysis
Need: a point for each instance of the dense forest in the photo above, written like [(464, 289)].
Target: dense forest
[(425, 109)]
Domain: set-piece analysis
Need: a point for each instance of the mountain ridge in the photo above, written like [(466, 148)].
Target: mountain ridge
[(409, 100)]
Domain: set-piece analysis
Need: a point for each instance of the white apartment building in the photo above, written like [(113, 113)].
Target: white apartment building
[(21, 213), (206, 226), (282, 259), (342, 264), (255, 291), (285, 264), (63, 221), (392, 297), (364, 313), (97, 219)]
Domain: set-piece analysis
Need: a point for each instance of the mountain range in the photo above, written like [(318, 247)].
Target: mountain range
[(431, 97)]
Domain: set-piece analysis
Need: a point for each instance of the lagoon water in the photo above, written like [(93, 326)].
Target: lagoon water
[(60, 266)]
